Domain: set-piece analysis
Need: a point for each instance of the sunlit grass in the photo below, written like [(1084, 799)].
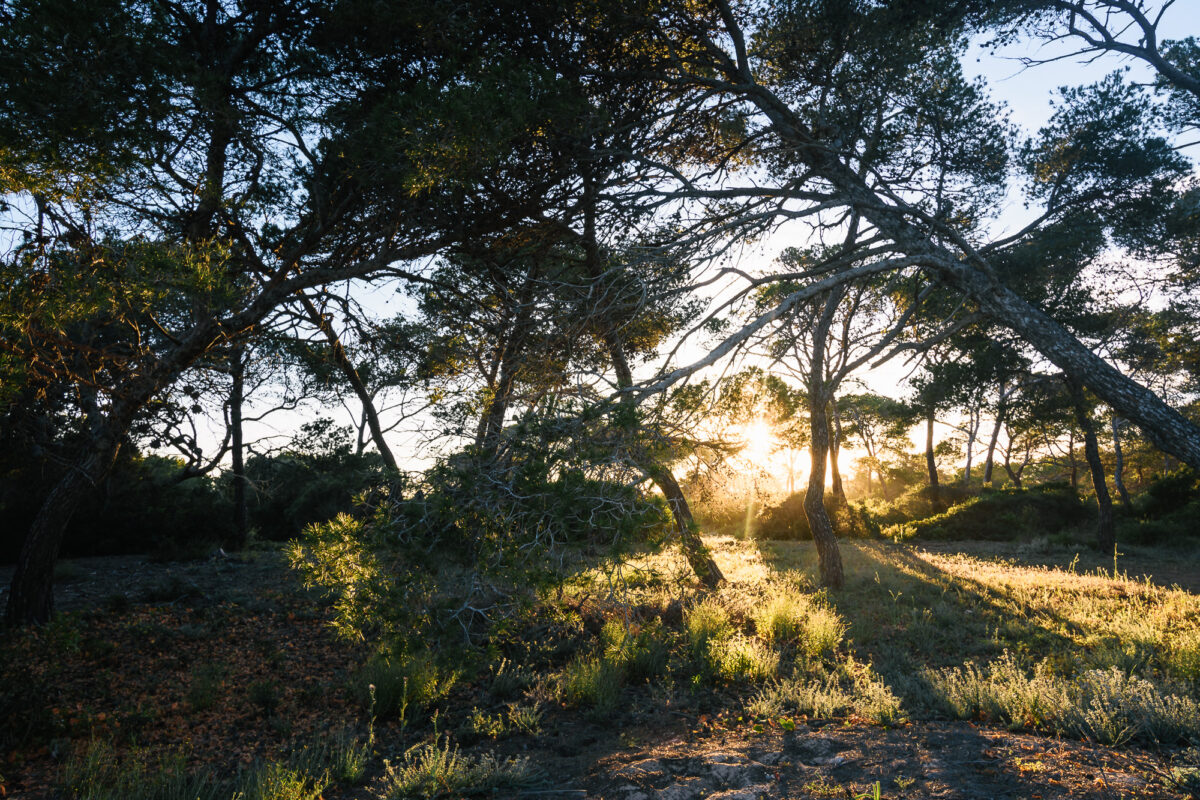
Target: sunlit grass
[(952, 634)]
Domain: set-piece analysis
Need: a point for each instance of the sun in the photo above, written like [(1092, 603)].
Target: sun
[(758, 440)]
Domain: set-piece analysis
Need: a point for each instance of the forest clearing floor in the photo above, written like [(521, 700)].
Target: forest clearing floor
[(230, 663)]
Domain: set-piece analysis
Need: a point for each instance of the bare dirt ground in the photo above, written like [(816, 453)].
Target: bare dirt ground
[(935, 760), (667, 754)]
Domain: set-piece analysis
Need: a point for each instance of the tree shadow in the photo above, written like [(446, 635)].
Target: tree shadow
[(907, 614)]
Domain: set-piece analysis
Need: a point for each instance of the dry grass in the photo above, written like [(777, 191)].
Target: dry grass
[(919, 623)]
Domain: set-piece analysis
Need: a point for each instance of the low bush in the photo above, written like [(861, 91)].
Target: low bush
[(402, 685), (740, 659), (1166, 513), (704, 623), (140, 507), (916, 503), (591, 681), (314, 479), (98, 774), (792, 618), (437, 769), (826, 692), (640, 650), (1107, 705), (1001, 514), (788, 521)]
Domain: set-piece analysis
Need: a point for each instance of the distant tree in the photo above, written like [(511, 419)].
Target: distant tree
[(881, 424)]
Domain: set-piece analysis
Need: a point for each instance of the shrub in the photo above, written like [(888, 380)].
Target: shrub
[(640, 651), (785, 521), (822, 631), (341, 756), (1183, 657), (1166, 512), (820, 697), (1104, 704), (706, 622), (276, 781), (97, 774), (1001, 514), (592, 681), (438, 770), (1169, 493), (508, 681), (849, 688), (739, 659), (781, 619), (788, 521), (141, 507), (404, 684), (314, 479)]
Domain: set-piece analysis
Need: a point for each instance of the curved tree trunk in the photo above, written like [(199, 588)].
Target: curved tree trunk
[(698, 556), (353, 378), (694, 550), (31, 596), (969, 270), (1106, 537)]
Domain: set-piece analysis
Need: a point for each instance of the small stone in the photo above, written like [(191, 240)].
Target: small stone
[(641, 770)]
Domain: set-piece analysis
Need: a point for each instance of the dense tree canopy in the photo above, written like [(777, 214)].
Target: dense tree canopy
[(560, 193)]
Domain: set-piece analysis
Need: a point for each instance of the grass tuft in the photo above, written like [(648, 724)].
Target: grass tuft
[(591, 681), (438, 770), (706, 622), (404, 685), (740, 659), (1102, 704)]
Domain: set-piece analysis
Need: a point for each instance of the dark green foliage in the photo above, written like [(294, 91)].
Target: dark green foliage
[(1166, 512), (141, 507), (787, 521), (1169, 494), (314, 480), (917, 503), (1002, 515), (532, 505)]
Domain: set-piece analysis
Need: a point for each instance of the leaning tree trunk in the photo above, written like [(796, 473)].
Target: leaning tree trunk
[(828, 555), (935, 493), (31, 596), (353, 378), (237, 368), (1106, 537), (694, 550), (698, 556), (970, 271), (1119, 467)]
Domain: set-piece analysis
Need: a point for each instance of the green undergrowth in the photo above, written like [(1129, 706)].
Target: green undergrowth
[(999, 515), (99, 772), (1054, 650), (913, 635)]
